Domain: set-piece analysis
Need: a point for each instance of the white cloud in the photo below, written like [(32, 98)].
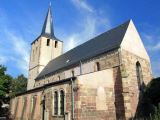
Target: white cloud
[(152, 41), (13, 47), (71, 41), (156, 68), (21, 49), (156, 47), (3, 59), (83, 5), (88, 26)]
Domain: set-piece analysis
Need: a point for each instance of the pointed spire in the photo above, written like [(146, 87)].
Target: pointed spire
[(47, 29)]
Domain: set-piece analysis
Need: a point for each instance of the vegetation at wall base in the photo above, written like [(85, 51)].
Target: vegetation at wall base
[(148, 106), (9, 87)]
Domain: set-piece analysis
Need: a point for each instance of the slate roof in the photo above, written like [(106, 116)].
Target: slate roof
[(105, 42), (47, 29)]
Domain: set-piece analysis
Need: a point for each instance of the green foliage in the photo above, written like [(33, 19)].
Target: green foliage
[(5, 84), (148, 104), (19, 85), (10, 86), (156, 115), (153, 91)]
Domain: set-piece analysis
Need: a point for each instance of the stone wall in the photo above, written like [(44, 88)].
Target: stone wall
[(131, 93), (34, 111), (95, 96), (107, 94)]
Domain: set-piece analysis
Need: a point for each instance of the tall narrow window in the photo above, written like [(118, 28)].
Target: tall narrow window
[(48, 42), (62, 102), (24, 107), (36, 49), (33, 56), (16, 107), (97, 66), (56, 103), (59, 77), (72, 73), (56, 44), (139, 75), (33, 105)]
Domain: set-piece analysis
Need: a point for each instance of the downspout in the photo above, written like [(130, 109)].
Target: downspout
[(72, 99), (43, 102), (43, 107), (80, 67), (72, 91)]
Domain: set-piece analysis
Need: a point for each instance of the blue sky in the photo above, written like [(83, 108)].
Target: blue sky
[(75, 21)]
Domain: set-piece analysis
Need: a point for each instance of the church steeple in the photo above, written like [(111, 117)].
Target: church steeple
[(45, 48), (47, 29)]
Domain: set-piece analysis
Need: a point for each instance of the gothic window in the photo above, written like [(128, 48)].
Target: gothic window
[(139, 75), (33, 55), (97, 66), (48, 42), (56, 44), (72, 73), (56, 103), (61, 102), (16, 106), (59, 77), (36, 49), (24, 107), (33, 105)]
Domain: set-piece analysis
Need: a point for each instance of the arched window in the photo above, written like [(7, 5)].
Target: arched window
[(33, 105), (16, 106), (56, 44), (56, 103), (24, 103), (61, 102), (97, 66), (59, 78), (139, 75)]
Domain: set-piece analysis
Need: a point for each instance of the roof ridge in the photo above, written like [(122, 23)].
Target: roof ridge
[(125, 23)]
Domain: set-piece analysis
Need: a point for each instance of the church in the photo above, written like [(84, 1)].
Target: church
[(101, 79)]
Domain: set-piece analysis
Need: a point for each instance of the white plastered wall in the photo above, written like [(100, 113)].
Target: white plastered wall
[(133, 43), (98, 80)]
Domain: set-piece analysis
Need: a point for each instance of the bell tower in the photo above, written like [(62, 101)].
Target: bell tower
[(45, 48)]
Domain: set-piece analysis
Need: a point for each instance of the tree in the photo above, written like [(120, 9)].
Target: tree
[(19, 85), (153, 91), (5, 89), (148, 104), (9, 87), (5, 84)]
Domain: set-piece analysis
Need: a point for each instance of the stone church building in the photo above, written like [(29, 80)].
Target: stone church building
[(101, 79)]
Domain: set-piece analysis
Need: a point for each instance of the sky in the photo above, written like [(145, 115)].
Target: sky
[(75, 21)]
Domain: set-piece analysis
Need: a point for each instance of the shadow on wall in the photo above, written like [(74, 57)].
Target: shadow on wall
[(149, 100), (119, 101)]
